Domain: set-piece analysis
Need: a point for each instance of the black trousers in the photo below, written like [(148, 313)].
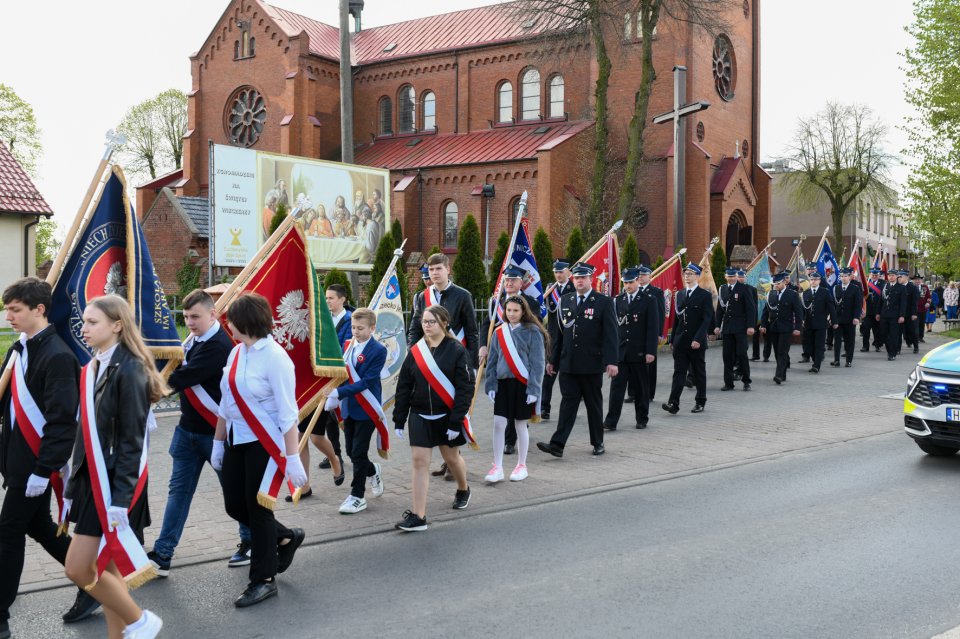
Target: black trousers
[(243, 468), (767, 345), (22, 516), (735, 356), (910, 330), (829, 334), (332, 430), (921, 324), (356, 437), (546, 394), (652, 378), (756, 343), (847, 334), (813, 344), (870, 324), (781, 349), (693, 360), (891, 332), (575, 388), (633, 374)]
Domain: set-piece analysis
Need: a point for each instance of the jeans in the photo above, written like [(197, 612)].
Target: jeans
[(190, 451), (952, 312)]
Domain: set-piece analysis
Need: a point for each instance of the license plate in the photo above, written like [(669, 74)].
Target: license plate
[(953, 414)]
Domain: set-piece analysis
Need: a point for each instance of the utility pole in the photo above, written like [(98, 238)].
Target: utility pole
[(346, 86)]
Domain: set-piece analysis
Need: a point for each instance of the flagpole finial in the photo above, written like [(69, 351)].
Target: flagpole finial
[(115, 139), (682, 251), (616, 226), (398, 252)]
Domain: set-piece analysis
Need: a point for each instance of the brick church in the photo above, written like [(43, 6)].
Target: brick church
[(452, 102)]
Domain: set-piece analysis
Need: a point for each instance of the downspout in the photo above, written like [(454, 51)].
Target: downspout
[(456, 92), (26, 246), (420, 210)]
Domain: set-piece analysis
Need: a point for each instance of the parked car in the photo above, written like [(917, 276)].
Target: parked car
[(931, 408)]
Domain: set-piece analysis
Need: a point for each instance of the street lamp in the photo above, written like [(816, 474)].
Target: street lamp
[(487, 193)]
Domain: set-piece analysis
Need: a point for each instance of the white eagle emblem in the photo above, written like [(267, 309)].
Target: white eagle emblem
[(116, 281), (291, 323)]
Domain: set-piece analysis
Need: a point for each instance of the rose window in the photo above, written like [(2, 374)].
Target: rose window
[(724, 67), (246, 116)]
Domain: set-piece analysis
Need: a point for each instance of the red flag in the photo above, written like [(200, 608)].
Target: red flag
[(605, 259), (860, 275), (671, 281)]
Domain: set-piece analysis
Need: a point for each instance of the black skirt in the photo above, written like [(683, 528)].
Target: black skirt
[(430, 433), (83, 511), (511, 400)]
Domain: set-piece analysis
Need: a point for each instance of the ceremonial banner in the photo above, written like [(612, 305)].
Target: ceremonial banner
[(111, 256), (388, 305), (706, 280), (670, 280), (827, 265), (859, 274), (759, 277), (879, 262), (522, 256), (605, 259)]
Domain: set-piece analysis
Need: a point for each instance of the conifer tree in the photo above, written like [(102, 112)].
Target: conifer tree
[(576, 247), (630, 253), (468, 267), (503, 243), (543, 253), (336, 276)]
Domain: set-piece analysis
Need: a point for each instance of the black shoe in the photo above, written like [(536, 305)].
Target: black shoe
[(755, 359), (4, 629), (338, 479), (813, 369), (550, 448), (737, 376), (545, 415), (777, 380), (610, 427), (629, 400), (309, 493), (727, 387), (688, 384), (83, 606), (848, 365), (835, 364), (864, 350), (325, 464), (746, 387), (890, 358), (642, 424), (411, 522), (255, 593), (461, 499), (697, 409), (599, 449), (671, 408), (161, 563), (766, 361), (923, 341), (804, 360), (916, 350), (441, 472), (509, 449), (877, 349), (286, 552), (241, 557)]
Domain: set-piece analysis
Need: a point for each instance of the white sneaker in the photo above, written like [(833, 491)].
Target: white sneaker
[(376, 482), (519, 473), (352, 505), (495, 475), (147, 627)]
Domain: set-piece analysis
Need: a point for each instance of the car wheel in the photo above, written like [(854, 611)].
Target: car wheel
[(935, 449)]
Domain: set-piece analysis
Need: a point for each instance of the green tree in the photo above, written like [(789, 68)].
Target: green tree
[(630, 254), (154, 131), (278, 217), (47, 242), (381, 262), (397, 233), (576, 247), (718, 264), (658, 263), (468, 267), (543, 254), (503, 243), (19, 130), (336, 276)]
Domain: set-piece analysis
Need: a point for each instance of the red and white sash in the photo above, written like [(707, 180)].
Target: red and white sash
[(435, 300), (511, 356), (198, 397), (29, 418), (263, 426), (439, 382), (119, 546), (370, 405)]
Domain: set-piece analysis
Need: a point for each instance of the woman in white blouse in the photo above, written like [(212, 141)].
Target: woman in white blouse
[(256, 442)]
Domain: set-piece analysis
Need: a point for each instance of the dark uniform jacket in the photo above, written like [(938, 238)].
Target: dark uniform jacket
[(587, 341), (817, 308), (414, 393), (783, 312), (491, 312), (736, 309), (849, 303), (205, 363), (755, 297), (122, 400), (694, 318), (874, 299), (657, 294), (639, 331), (462, 315), (894, 303), (53, 379), (913, 297)]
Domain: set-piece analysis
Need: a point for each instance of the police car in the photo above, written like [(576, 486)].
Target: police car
[(931, 407)]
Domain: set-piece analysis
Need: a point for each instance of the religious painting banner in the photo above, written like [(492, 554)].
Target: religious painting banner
[(388, 305)]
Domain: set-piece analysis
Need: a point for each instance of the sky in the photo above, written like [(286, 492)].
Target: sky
[(82, 65)]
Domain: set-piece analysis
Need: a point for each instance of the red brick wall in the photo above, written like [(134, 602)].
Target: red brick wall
[(170, 240)]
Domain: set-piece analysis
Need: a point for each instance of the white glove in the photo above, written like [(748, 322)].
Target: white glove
[(151, 421), (117, 518), (452, 434), (216, 455), (295, 472), (398, 432), (492, 395), (333, 394), (331, 403), (531, 399), (36, 485)]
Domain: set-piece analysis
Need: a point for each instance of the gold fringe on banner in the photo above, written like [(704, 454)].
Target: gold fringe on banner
[(136, 579), (266, 501)]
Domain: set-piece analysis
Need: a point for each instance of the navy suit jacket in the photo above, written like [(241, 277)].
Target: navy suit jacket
[(374, 357)]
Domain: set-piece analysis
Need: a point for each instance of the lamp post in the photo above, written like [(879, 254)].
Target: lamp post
[(488, 192)]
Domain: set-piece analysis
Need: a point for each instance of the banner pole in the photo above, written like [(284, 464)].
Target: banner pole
[(212, 232), (397, 254)]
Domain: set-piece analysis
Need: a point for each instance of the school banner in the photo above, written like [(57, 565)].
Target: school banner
[(759, 277), (388, 305)]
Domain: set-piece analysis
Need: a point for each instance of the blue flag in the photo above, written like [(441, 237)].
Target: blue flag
[(827, 265), (759, 277), (110, 256), (523, 257)]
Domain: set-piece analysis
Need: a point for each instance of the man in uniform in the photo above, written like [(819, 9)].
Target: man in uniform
[(923, 305), (871, 320), (639, 336), (848, 300), (689, 340), (893, 313), (805, 343), (913, 297), (781, 321), (818, 305), (586, 346), (736, 317), (457, 301), (552, 297), (656, 293)]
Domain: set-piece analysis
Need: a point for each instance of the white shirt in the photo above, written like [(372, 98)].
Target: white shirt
[(338, 317), (103, 360), (356, 349), (193, 340), (270, 378)]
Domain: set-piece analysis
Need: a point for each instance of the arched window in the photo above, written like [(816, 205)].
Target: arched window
[(556, 96), (407, 109), (514, 208), (236, 49), (253, 47), (530, 95), (429, 111), (385, 108), (505, 102), (451, 222)]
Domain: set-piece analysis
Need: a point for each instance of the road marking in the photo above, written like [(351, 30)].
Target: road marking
[(949, 634)]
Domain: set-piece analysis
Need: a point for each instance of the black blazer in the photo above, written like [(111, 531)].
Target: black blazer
[(913, 296), (894, 302), (53, 378), (205, 363), (414, 393), (122, 401), (817, 308), (588, 341), (657, 294), (462, 315), (783, 314), (491, 309), (875, 300), (849, 303), (639, 331), (736, 309), (694, 318)]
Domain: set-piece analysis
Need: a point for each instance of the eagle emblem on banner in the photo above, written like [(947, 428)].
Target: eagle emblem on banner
[(292, 321)]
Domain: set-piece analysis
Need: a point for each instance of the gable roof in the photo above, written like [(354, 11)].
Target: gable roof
[(732, 168), (18, 194), (195, 211), (502, 144)]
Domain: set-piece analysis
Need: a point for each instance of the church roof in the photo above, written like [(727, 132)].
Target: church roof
[(724, 176), (502, 144), (197, 209), (432, 34), (17, 191)]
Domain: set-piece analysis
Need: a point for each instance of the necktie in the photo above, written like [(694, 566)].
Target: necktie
[(843, 289), (629, 300), (579, 300)]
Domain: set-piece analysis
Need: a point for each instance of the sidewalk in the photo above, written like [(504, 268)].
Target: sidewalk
[(808, 411)]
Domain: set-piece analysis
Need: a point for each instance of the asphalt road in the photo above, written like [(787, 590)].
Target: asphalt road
[(851, 540)]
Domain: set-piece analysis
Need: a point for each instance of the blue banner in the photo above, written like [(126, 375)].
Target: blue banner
[(759, 278), (827, 265), (523, 257), (110, 255)]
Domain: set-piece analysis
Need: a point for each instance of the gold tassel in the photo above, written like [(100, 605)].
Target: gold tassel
[(266, 501), (535, 419), (474, 446), (90, 586), (136, 579), (63, 528), (296, 496), (384, 454)]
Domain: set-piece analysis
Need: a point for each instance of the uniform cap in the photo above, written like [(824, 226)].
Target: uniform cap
[(779, 277), (730, 272), (693, 268), (560, 263), (814, 276), (846, 270), (425, 271), (741, 273), (630, 274), (582, 269), (644, 269), (875, 271), (514, 271)]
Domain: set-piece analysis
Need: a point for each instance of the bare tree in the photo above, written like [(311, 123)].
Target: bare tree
[(154, 130), (838, 154)]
